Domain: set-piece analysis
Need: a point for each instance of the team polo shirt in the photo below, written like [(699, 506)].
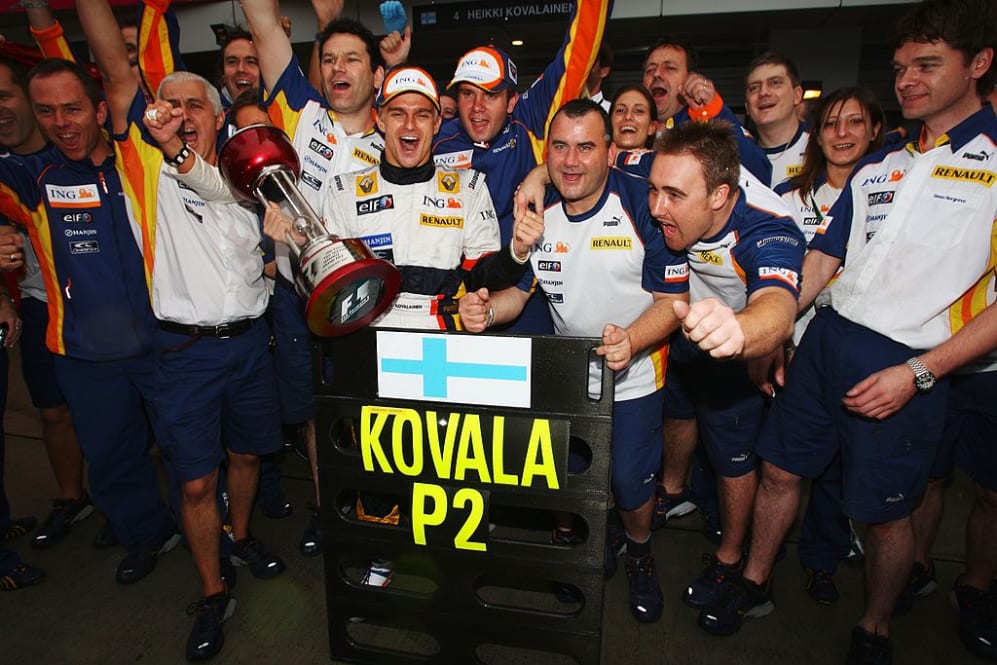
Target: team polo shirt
[(604, 267), (759, 246), (787, 159), (88, 247), (323, 146), (433, 230), (207, 268), (919, 232), (809, 208), (808, 211)]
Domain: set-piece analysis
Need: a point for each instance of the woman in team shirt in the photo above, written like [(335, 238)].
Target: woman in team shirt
[(634, 117)]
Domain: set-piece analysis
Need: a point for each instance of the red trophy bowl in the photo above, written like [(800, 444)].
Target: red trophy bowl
[(345, 284)]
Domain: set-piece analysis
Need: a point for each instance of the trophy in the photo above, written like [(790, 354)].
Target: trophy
[(346, 285)]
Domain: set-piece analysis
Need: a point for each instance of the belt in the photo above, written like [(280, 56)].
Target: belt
[(221, 331)]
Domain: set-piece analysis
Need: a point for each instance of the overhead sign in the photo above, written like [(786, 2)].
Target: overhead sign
[(488, 13)]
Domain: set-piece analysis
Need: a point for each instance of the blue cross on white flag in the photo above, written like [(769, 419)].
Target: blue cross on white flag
[(454, 368)]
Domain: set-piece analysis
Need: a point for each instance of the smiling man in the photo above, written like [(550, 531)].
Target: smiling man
[(913, 303), (100, 324), (626, 269), (681, 95), (745, 258), (772, 99)]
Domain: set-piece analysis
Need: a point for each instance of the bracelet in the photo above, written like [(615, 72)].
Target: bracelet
[(491, 317), (516, 258), (34, 4), (179, 158)]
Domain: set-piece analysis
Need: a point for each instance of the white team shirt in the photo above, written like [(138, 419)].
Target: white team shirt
[(208, 269), (918, 228)]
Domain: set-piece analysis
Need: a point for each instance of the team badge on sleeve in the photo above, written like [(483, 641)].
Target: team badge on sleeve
[(786, 275)]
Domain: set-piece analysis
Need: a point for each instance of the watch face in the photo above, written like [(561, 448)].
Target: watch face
[(925, 381)]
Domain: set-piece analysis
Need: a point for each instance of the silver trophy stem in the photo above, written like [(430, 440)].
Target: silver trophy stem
[(306, 222)]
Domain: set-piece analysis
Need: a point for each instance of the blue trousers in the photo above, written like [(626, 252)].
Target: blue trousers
[(108, 401)]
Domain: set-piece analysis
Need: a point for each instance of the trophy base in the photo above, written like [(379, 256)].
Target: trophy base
[(347, 286)]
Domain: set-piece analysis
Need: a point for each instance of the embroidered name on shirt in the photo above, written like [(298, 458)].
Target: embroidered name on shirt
[(709, 257), (985, 178), (612, 243), (73, 196), (364, 156), (444, 222)]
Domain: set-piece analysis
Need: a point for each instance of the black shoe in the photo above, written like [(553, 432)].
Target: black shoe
[(17, 527), (743, 600), (311, 539), (821, 587), (668, 506), (136, 565), (708, 589), (277, 508), (206, 637), (869, 649), (20, 576), (977, 625), (566, 593), (65, 513), (262, 564), (616, 542), (105, 537), (646, 601)]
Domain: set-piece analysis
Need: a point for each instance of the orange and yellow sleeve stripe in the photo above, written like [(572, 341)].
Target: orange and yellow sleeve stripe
[(980, 295), (138, 165), (158, 42), (52, 42), (580, 52), (37, 224)]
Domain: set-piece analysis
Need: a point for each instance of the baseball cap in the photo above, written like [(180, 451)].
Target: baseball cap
[(408, 79), (487, 67)]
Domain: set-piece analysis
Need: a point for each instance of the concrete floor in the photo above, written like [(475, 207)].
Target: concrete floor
[(79, 616)]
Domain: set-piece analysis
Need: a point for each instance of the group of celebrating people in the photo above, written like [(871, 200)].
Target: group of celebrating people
[(811, 302)]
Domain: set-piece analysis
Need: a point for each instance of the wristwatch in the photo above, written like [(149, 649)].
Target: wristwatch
[(924, 379)]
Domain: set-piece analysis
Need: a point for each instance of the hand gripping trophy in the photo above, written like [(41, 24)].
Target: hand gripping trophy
[(347, 287)]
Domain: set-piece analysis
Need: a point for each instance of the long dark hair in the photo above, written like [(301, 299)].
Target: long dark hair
[(814, 161)]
